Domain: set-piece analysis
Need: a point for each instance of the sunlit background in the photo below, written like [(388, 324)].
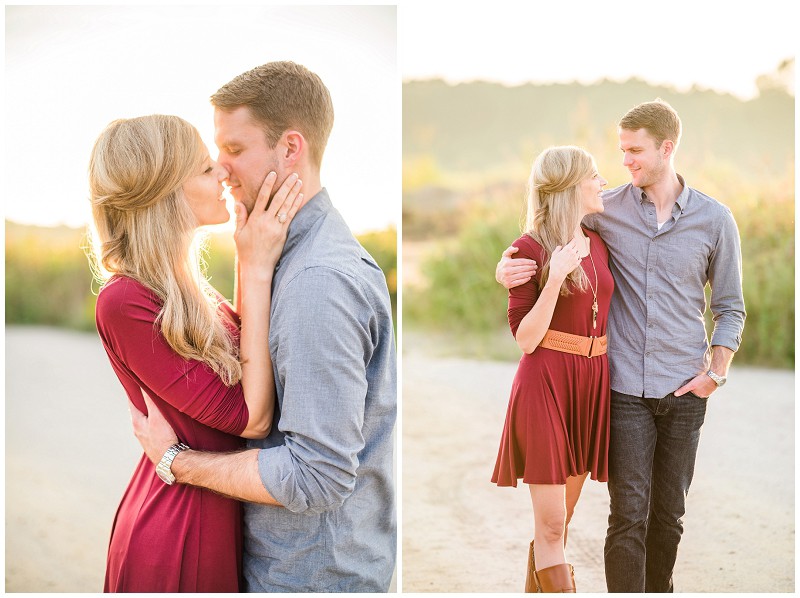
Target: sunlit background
[(683, 44), (70, 70), (485, 91), (488, 86)]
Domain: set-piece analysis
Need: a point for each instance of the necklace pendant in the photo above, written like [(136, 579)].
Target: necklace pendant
[(595, 309)]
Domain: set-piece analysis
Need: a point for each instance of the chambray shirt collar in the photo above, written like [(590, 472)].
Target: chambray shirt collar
[(680, 202), (316, 207)]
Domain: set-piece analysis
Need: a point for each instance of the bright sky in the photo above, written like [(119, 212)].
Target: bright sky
[(70, 70), (717, 45)]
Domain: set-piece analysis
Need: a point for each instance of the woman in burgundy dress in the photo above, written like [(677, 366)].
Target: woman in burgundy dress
[(557, 425), (169, 334)]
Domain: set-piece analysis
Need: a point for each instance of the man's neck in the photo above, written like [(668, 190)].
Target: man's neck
[(311, 184), (664, 193)]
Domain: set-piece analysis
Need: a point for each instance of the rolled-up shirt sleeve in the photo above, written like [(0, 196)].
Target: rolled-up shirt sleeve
[(725, 277), (322, 344)]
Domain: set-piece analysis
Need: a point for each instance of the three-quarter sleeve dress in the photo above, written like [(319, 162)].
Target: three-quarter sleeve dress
[(170, 538), (557, 423)]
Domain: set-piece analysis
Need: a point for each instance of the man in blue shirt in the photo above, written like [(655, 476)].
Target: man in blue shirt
[(666, 241), (320, 514)]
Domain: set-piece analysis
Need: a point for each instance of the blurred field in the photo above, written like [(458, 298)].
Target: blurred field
[(463, 198), (48, 281)]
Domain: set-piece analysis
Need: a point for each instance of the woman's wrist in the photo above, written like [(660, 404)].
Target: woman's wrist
[(553, 283), (251, 273)]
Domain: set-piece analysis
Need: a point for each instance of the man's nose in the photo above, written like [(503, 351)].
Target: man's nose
[(222, 171), (626, 159), (224, 163)]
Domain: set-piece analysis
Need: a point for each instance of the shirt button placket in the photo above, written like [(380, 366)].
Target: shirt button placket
[(652, 258)]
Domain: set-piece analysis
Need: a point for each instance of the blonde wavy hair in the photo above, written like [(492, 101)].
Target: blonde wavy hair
[(554, 204), (144, 229)]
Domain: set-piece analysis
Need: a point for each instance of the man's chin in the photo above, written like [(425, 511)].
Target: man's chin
[(240, 196)]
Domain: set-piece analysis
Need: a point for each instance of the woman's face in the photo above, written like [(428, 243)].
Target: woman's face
[(591, 188), (205, 194)]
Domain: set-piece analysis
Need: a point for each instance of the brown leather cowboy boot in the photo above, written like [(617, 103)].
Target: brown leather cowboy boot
[(559, 579), (531, 582)]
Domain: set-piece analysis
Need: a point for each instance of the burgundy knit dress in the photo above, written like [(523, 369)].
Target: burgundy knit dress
[(170, 538), (557, 424)]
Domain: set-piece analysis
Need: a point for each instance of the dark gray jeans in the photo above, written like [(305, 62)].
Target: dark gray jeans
[(651, 464)]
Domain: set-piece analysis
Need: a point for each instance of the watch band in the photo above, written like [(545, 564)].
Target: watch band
[(718, 380), (164, 467)]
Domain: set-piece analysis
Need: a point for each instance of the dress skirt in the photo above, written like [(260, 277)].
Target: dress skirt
[(558, 419)]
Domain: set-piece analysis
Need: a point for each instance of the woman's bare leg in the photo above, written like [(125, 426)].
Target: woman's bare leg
[(549, 514), (573, 493)]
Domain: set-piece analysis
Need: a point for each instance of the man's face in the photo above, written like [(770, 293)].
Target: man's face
[(244, 153), (646, 162)]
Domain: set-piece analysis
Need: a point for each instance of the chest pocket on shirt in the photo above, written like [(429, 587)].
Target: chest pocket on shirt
[(685, 261)]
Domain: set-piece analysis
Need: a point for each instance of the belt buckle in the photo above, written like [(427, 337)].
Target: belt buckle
[(591, 346)]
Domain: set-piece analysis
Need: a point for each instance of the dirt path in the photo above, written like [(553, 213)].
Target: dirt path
[(70, 453), (463, 534)]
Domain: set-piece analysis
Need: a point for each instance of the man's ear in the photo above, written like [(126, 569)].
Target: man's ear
[(293, 148), (667, 148)]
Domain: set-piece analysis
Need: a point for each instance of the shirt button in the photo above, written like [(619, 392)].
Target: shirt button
[(650, 269), (648, 353)]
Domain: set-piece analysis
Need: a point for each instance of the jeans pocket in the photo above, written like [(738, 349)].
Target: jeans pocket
[(696, 396)]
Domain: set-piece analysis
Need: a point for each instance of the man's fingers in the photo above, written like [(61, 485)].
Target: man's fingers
[(518, 281), (136, 416), (520, 268), (152, 410), (683, 389), (510, 251)]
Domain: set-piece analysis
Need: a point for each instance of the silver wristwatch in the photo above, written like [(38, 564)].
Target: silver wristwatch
[(720, 380), (164, 467)]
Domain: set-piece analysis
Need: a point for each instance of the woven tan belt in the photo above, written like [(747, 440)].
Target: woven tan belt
[(588, 346)]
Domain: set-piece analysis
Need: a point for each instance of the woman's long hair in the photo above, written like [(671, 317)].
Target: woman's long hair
[(144, 229), (554, 204)]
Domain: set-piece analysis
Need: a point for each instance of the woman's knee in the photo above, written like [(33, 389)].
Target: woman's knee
[(551, 528)]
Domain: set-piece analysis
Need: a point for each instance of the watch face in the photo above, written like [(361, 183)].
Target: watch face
[(166, 476), (720, 380)]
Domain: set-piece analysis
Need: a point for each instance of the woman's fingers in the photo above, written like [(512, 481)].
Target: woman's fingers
[(285, 196), (296, 205), (240, 213), (264, 193)]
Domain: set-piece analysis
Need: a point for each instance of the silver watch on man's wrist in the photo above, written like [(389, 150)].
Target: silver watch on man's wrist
[(164, 467), (720, 380)]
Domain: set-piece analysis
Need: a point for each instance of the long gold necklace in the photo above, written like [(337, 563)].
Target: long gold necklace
[(595, 307)]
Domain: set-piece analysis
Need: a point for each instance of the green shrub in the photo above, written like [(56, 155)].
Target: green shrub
[(48, 280), (461, 296)]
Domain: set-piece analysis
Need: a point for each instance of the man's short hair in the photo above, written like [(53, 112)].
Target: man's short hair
[(658, 118), (282, 96)]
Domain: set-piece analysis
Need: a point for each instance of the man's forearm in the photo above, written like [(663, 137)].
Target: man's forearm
[(231, 474), (721, 358)]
